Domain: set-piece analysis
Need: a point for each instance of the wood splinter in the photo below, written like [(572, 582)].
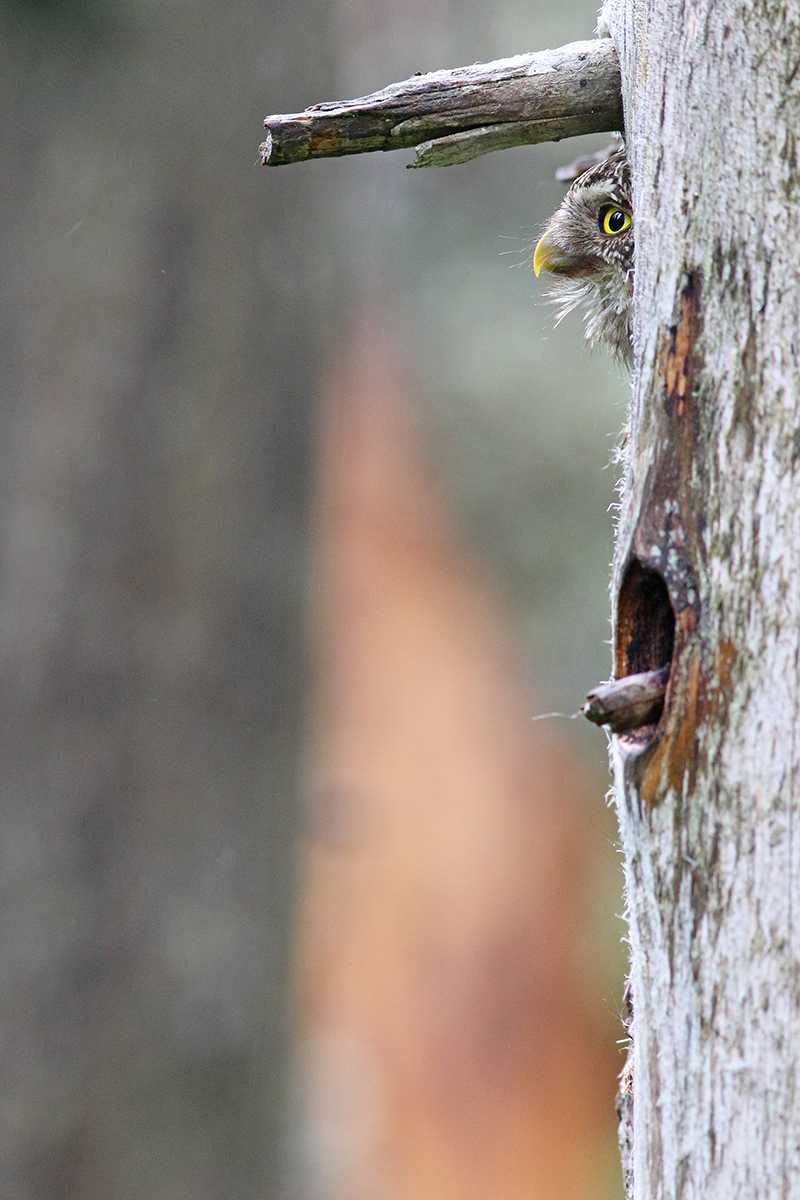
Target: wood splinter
[(628, 703)]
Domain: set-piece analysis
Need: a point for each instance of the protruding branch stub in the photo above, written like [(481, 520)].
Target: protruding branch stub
[(453, 116), (629, 703)]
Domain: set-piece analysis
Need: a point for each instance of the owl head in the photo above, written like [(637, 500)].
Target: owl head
[(588, 248)]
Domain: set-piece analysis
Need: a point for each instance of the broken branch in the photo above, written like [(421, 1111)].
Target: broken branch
[(452, 116), (628, 703)]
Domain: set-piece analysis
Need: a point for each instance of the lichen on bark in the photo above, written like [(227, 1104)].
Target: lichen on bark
[(708, 804)]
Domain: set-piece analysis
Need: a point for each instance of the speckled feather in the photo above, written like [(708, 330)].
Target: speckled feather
[(592, 270)]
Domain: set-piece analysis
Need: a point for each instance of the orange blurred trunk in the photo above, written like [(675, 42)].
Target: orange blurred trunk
[(449, 1049)]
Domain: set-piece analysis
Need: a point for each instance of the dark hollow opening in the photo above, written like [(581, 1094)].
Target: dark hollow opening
[(645, 622)]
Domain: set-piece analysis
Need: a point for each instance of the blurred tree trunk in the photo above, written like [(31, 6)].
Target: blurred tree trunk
[(451, 1042), (158, 362), (706, 577)]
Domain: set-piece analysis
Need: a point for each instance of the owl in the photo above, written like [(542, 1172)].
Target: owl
[(588, 248)]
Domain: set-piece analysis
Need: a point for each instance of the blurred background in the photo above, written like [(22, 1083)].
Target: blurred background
[(304, 515)]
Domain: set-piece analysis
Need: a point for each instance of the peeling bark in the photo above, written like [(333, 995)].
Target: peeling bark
[(706, 580)]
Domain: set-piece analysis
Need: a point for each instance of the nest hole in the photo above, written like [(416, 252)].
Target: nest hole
[(645, 622)]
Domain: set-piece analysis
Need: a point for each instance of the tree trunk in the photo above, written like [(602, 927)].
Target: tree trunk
[(706, 577)]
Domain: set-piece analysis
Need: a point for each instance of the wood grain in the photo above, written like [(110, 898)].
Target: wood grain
[(458, 114)]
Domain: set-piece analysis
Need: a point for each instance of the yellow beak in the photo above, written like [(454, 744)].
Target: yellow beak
[(545, 255)]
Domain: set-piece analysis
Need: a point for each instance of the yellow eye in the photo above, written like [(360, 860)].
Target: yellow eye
[(613, 220)]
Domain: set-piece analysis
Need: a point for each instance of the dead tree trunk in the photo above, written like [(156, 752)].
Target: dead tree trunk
[(706, 578)]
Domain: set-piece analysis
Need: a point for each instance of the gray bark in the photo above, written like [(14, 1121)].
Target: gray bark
[(709, 798)]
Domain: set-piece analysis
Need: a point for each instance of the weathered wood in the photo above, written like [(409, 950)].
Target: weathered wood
[(453, 116), (461, 147), (629, 703), (709, 805)]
